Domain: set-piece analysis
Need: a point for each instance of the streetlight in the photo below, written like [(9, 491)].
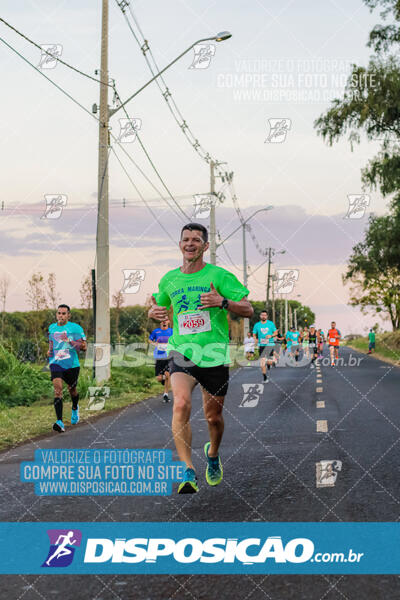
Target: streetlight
[(242, 225), (102, 318), (295, 312), (271, 252), (219, 37)]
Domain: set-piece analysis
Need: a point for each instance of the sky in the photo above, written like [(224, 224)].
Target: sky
[(284, 63)]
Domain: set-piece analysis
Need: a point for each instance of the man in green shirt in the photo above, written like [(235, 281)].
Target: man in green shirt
[(200, 295), (371, 339)]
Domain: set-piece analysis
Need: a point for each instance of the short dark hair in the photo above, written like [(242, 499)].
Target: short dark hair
[(264, 311), (64, 306), (196, 227)]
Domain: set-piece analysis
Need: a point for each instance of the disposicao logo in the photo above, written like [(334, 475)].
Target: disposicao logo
[(62, 547), (190, 550)]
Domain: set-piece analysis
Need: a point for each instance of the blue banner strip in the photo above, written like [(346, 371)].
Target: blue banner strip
[(190, 548)]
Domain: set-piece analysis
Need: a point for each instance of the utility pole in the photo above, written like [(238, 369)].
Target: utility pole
[(286, 315), (213, 230), (268, 276), (246, 320), (273, 301), (295, 318), (102, 238), (94, 317)]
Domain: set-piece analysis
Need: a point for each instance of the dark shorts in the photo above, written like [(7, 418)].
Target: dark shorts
[(214, 380), (371, 345), (70, 376), (266, 351), (161, 366)]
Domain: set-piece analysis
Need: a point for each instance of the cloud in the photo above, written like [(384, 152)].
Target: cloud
[(306, 239)]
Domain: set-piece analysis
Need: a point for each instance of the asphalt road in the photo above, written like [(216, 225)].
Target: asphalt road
[(270, 449)]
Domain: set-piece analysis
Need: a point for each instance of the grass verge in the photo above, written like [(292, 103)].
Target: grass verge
[(20, 424), (387, 346)]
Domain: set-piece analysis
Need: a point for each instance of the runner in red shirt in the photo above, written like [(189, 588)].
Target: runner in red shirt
[(334, 336)]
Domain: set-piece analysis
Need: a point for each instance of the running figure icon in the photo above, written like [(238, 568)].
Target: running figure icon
[(62, 549)]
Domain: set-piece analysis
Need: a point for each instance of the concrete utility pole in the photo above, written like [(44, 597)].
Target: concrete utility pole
[(213, 229), (268, 276), (286, 315), (246, 320), (102, 352), (273, 300)]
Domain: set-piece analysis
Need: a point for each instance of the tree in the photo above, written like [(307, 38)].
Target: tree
[(54, 298), (371, 104), (86, 294), (4, 285), (36, 292), (118, 300), (375, 282)]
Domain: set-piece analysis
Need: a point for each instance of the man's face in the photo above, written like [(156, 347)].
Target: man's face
[(192, 245), (333, 324), (62, 315), (263, 316), (165, 324)]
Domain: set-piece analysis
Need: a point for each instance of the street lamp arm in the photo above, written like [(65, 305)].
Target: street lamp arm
[(113, 111), (244, 223)]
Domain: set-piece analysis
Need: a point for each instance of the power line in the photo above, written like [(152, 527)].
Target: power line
[(173, 107), (161, 84), (240, 215), (48, 79), (151, 161), (52, 55), (87, 111), (137, 191), (121, 146)]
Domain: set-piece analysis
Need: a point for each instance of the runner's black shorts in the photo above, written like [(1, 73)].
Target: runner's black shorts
[(214, 380), (70, 376), (161, 366), (267, 350)]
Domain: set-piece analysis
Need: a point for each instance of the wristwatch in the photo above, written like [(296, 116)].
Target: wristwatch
[(224, 303)]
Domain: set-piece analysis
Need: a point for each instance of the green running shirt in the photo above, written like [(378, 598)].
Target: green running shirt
[(200, 335)]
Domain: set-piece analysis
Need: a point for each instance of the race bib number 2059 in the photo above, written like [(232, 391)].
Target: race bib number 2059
[(194, 322)]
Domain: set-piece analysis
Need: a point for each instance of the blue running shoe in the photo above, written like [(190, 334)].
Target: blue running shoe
[(74, 416), (214, 472), (189, 483), (59, 426)]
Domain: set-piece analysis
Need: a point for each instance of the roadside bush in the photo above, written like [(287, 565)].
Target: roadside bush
[(21, 383)]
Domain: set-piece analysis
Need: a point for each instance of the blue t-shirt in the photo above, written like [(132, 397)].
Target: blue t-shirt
[(261, 330), (160, 336), (292, 337), (64, 354)]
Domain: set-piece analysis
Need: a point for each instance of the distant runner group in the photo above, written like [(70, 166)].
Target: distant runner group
[(195, 350)]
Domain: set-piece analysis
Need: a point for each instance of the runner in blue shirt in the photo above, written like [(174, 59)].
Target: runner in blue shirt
[(159, 338), (293, 344), (66, 339), (264, 333)]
